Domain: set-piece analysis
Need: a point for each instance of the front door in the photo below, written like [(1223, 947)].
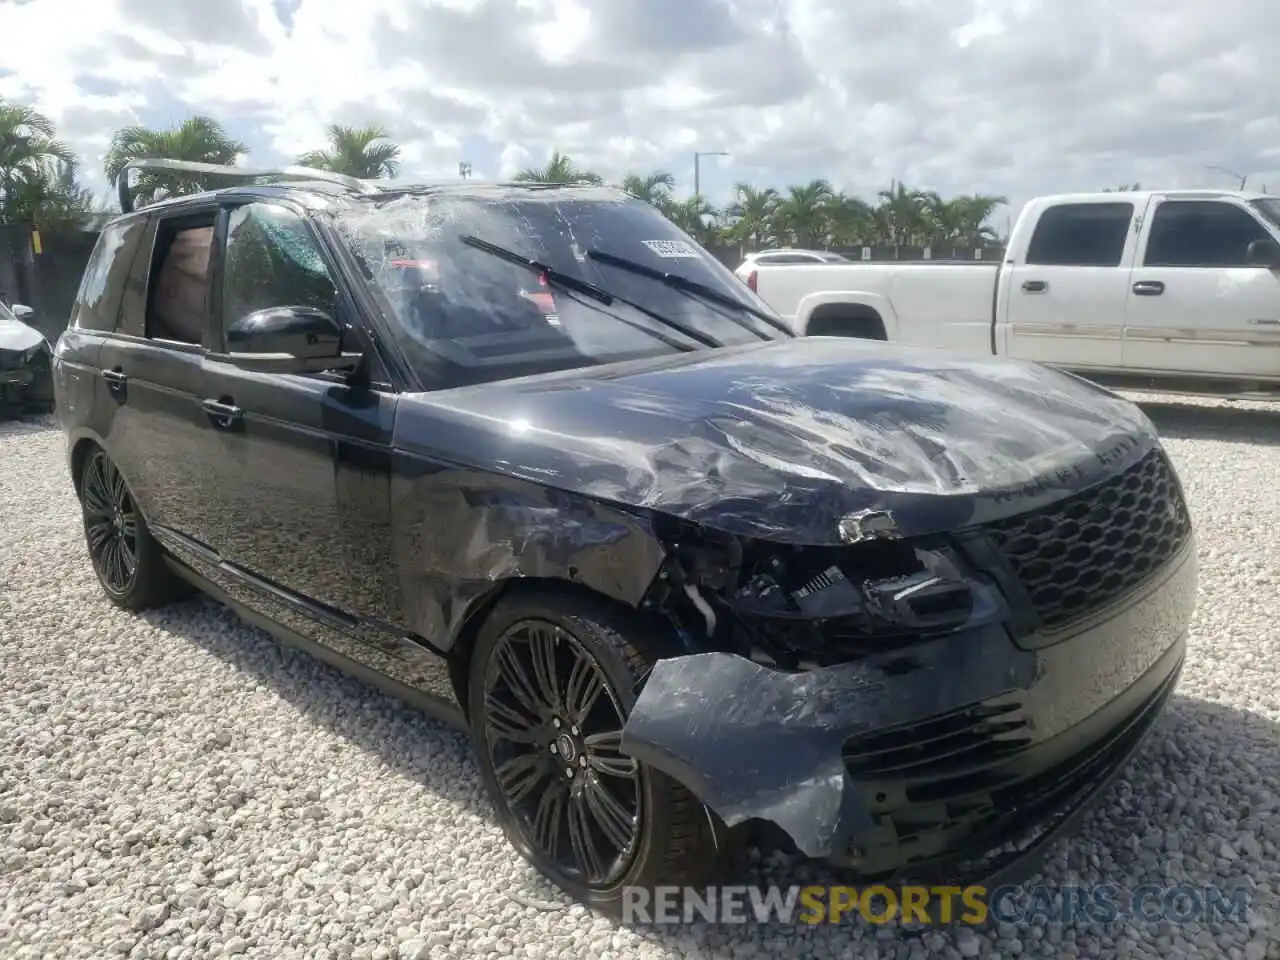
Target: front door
[(304, 466), (1196, 304)]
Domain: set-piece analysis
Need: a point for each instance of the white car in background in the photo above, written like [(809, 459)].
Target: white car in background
[(785, 255)]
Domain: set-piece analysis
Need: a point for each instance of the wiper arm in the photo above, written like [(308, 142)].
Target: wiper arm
[(577, 285), (685, 285)]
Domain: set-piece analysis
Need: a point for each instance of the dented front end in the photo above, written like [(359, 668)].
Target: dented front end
[(922, 706)]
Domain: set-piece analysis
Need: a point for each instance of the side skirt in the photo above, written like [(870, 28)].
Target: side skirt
[(291, 638)]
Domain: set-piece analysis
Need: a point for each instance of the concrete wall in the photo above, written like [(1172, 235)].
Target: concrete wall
[(46, 281)]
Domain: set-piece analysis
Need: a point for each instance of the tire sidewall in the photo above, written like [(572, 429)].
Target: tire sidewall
[(117, 596), (656, 803)]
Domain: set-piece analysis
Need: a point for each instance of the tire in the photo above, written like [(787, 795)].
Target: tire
[(676, 841), (127, 560)]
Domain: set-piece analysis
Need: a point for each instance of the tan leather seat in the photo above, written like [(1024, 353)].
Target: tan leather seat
[(180, 308)]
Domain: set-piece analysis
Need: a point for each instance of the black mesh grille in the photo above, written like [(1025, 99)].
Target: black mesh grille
[(941, 744), (1089, 549)]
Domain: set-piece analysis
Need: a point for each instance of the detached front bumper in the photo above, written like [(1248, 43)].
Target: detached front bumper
[(951, 760)]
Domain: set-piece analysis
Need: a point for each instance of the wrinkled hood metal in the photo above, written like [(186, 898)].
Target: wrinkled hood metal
[(781, 440), (17, 336)]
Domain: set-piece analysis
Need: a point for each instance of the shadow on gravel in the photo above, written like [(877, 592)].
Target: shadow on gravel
[(1208, 775), (1187, 421)]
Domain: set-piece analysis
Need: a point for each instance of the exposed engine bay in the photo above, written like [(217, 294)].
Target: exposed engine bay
[(799, 608)]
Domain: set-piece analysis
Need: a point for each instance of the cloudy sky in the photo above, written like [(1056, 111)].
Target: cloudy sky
[(1014, 97)]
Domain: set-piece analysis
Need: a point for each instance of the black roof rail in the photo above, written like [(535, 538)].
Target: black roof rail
[(224, 170)]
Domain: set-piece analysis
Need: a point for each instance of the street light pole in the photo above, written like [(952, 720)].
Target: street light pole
[(697, 168)]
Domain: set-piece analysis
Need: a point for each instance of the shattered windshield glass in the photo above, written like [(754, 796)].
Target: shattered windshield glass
[(466, 315)]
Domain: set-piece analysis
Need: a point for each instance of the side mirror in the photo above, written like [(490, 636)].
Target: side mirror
[(1264, 253), (288, 340), (22, 312)]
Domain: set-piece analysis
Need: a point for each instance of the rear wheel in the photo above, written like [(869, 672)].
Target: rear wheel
[(128, 561), (551, 685)]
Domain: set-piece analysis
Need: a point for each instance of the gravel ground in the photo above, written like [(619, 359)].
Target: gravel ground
[(176, 786)]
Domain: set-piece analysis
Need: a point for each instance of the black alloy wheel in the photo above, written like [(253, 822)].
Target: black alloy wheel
[(111, 524), (552, 725)]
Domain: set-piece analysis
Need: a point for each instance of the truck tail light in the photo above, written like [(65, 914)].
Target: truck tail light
[(751, 280)]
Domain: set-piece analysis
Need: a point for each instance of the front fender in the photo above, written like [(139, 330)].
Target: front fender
[(460, 533)]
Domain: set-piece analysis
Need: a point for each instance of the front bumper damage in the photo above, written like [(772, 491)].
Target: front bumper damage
[(948, 760)]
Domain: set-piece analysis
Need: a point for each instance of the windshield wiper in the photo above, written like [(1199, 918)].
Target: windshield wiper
[(585, 288), (691, 287)]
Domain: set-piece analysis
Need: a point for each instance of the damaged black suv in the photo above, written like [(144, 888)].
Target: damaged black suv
[(527, 456)]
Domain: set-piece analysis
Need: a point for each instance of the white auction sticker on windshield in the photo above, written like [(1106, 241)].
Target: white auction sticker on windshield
[(672, 249)]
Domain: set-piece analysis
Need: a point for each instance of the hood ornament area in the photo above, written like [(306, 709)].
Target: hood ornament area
[(868, 525)]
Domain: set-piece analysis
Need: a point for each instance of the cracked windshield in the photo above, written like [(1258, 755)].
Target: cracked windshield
[(594, 285)]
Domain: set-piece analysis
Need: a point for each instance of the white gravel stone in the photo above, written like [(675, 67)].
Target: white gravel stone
[(175, 785)]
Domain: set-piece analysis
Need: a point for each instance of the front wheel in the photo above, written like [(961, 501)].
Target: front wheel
[(551, 685)]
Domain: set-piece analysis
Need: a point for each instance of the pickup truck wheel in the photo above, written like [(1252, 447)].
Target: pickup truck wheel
[(127, 559), (551, 686)]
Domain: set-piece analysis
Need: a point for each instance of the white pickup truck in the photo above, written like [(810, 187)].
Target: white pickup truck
[(1173, 289)]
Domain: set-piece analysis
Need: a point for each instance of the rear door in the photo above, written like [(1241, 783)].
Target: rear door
[(95, 316), (1196, 303), (1063, 298), (151, 380)]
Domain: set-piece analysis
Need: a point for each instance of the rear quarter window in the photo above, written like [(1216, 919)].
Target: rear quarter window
[(97, 305)]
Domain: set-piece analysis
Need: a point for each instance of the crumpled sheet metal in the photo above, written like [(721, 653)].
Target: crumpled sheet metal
[(756, 743)]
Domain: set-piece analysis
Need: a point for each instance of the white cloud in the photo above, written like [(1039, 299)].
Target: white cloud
[(1009, 96)]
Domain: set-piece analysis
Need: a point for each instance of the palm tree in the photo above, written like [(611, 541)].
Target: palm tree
[(803, 214), (29, 156), (962, 220), (851, 221), (363, 152), (903, 215), (56, 199), (694, 216), (559, 169), (654, 188), (200, 139), (751, 217)]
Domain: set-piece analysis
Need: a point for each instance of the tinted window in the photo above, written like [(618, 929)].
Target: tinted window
[(273, 261), (776, 258), (1201, 233), (97, 303), (1081, 235), (1269, 207), (467, 316)]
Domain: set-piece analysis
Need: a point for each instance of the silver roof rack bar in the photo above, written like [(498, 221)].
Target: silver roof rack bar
[(224, 170)]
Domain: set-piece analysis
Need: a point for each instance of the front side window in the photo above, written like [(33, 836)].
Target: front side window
[(1081, 235), (1201, 233), (272, 261), (467, 316)]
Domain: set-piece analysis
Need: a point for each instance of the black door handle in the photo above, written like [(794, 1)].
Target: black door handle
[(115, 376), (1148, 288), (223, 412), (1035, 286)]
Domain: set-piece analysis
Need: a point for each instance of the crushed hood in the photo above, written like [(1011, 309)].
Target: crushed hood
[(17, 336), (782, 439)]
